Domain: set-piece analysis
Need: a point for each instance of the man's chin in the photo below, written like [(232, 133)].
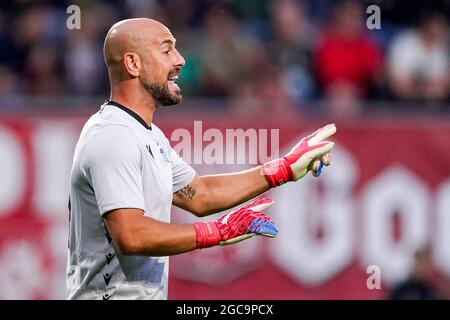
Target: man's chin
[(175, 96), (164, 95), (174, 100)]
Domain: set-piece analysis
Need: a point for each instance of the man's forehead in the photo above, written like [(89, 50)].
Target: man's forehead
[(161, 37), (166, 37), (160, 32)]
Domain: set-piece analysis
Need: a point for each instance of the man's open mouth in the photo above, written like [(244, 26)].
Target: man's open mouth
[(171, 79)]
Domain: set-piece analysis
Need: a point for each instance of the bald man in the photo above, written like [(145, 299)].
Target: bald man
[(125, 177)]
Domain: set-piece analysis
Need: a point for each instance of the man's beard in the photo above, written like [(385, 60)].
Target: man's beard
[(162, 94)]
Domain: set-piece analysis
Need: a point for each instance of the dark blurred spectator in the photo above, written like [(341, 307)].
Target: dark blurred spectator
[(261, 93), (396, 12), (189, 45), (291, 44), (86, 71), (184, 22), (263, 51), (150, 9), (419, 285), (9, 82), (252, 10), (43, 71), (348, 64), (227, 54), (34, 25), (419, 63), (6, 40)]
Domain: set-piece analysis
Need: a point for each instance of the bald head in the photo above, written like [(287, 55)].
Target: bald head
[(141, 55), (130, 35)]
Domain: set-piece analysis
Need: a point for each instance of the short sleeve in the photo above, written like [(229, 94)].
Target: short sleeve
[(111, 164), (182, 173)]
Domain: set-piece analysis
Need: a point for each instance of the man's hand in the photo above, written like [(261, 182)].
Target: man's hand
[(237, 225), (310, 154)]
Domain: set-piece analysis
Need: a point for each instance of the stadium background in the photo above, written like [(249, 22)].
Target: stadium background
[(253, 64)]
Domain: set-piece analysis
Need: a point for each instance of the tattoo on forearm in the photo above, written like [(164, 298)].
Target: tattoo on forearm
[(187, 191)]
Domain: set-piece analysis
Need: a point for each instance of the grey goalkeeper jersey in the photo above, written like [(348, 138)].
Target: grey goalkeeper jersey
[(119, 162)]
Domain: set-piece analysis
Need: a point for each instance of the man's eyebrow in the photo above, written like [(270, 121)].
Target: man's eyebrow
[(169, 41)]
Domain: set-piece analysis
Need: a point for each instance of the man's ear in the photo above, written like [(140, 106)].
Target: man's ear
[(132, 64)]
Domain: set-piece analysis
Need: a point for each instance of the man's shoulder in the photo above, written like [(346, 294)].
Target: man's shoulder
[(99, 134), (109, 122), (109, 143), (115, 135), (97, 127)]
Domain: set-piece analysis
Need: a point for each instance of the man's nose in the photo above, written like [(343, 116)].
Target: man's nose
[(180, 62)]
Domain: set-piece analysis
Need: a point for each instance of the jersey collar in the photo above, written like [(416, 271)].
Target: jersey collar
[(129, 111)]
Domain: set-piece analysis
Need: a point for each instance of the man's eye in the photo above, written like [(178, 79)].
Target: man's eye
[(167, 51)]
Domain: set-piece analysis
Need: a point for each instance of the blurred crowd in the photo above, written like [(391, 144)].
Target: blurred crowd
[(252, 53)]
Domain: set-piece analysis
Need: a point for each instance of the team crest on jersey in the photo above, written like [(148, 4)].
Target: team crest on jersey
[(164, 155)]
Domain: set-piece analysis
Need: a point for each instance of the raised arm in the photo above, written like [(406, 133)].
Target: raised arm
[(213, 193), (209, 194)]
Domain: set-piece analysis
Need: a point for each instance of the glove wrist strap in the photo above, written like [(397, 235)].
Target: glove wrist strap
[(277, 172), (207, 234)]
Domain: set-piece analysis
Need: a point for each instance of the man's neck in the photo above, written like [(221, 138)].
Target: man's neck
[(136, 99)]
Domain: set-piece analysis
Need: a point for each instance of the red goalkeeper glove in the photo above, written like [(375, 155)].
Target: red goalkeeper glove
[(310, 154), (236, 225)]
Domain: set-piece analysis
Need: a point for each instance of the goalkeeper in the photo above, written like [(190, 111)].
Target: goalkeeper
[(125, 177)]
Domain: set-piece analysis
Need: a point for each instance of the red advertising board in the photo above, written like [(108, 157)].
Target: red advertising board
[(386, 194)]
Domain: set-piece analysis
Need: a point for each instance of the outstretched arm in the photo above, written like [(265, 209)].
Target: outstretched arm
[(133, 233), (213, 193), (206, 195)]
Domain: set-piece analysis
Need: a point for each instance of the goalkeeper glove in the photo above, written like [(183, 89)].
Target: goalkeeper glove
[(236, 225), (310, 154)]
